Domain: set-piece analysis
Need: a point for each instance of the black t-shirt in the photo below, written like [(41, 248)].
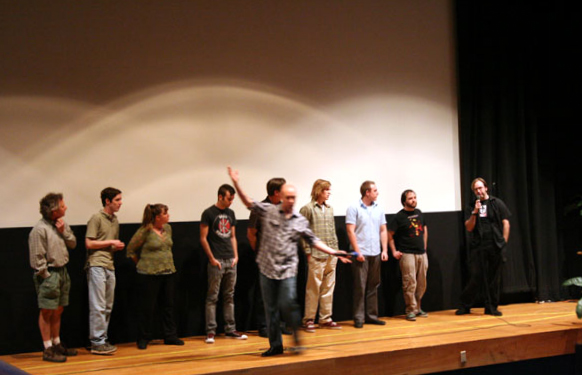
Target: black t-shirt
[(409, 229), (220, 224), (485, 221)]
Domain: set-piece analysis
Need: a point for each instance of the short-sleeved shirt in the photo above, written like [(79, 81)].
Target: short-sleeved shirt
[(277, 258), (322, 223), (368, 220), (102, 227), (409, 228), (220, 224)]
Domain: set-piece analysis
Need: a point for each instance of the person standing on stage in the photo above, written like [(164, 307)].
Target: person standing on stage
[(408, 241), (321, 266), (101, 241), (254, 237), (151, 250), (218, 239), (282, 228), (48, 243), (488, 225), (366, 228)]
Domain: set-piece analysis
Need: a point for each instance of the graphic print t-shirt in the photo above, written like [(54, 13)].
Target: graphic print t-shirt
[(408, 227), (220, 224)]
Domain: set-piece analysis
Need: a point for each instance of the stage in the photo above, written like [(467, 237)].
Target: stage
[(438, 343)]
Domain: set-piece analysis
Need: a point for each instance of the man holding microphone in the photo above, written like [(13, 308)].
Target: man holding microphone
[(488, 225)]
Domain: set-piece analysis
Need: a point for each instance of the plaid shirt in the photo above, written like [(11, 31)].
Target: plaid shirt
[(48, 248), (323, 225), (277, 258)]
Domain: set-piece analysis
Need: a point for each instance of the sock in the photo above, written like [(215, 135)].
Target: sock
[(56, 340), (47, 344)]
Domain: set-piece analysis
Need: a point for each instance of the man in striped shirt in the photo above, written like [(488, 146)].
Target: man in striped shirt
[(282, 228)]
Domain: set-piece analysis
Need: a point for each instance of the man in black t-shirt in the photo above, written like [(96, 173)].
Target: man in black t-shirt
[(217, 237), (408, 240), (488, 224)]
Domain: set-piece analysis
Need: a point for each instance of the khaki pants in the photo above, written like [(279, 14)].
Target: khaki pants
[(319, 288), (413, 268)]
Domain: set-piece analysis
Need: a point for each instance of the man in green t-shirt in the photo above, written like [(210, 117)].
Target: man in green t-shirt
[(102, 240)]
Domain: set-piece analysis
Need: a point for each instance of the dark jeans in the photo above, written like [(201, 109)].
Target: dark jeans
[(280, 295), (485, 277), (154, 288), (366, 282)]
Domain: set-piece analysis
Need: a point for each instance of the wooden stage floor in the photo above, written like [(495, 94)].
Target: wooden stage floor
[(525, 331)]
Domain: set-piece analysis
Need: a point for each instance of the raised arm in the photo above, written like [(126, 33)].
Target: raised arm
[(247, 201)]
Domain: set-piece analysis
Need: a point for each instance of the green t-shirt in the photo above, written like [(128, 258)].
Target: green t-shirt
[(102, 227)]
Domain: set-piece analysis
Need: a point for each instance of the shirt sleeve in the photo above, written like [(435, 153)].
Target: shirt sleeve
[(136, 242), (37, 243), (69, 237), (351, 215), (92, 228), (306, 212)]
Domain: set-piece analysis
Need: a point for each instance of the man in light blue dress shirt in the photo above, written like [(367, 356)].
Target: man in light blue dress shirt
[(366, 227)]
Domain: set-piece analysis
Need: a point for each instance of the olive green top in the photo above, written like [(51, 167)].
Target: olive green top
[(102, 227), (153, 252)]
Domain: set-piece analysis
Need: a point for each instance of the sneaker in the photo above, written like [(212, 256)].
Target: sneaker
[(421, 314), (308, 326), (52, 355), (330, 325), (209, 338), (63, 350), (236, 335), (411, 317), (103, 349)]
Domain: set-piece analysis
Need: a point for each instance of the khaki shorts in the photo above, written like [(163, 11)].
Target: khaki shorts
[(53, 291)]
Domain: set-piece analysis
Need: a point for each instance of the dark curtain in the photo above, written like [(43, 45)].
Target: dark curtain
[(518, 66)]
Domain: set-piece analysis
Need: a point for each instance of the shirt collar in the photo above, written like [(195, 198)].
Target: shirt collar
[(363, 205), (110, 217)]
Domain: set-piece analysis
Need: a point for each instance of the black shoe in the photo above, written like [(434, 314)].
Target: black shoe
[(263, 333), (286, 331), (376, 321), (173, 341), (67, 352), (493, 312), (51, 355), (273, 351), (463, 311), (358, 324), (142, 344)]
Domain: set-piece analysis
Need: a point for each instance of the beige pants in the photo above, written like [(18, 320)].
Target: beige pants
[(413, 268), (319, 288)]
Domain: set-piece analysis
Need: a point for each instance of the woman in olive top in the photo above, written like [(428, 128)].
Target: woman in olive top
[(151, 250)]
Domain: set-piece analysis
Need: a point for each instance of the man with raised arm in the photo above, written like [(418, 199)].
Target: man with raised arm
[(277, 259)]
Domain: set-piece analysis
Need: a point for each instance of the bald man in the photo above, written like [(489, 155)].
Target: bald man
[(282, 228)]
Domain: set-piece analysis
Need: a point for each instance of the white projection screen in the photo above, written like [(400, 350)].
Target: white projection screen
[(156, 98)]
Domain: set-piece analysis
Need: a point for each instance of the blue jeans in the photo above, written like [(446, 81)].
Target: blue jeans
[(101, 282), (221, 280), (280, 295)]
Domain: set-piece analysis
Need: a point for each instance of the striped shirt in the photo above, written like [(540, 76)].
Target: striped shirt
[(322, 223), (48, 248), (277, 258)]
